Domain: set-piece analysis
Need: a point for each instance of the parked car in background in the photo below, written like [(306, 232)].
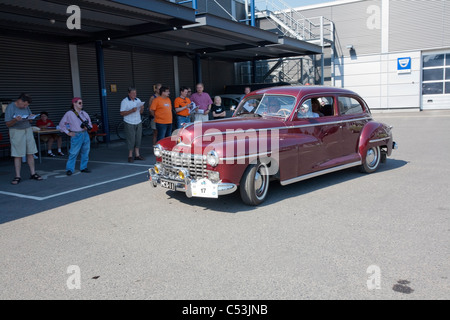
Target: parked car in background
[(287, 134), (239, 88), (230, 101)]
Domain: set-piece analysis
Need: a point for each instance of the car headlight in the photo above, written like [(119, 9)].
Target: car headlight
[(182, 174), (157, 168), (157, 150), (212, 158)]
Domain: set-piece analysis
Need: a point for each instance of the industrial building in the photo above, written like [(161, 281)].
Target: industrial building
[(396, 54)]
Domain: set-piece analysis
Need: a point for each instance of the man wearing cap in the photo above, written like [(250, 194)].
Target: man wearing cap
[(76, 123)]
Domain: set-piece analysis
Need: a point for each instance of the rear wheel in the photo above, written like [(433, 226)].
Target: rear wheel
[(120, 130), (147, 127), (371, 160), (255, 184)]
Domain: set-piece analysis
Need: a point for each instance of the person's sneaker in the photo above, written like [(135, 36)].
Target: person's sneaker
[(51, 154), (69, 173), (61, 154), (139, 158), (86, 170)]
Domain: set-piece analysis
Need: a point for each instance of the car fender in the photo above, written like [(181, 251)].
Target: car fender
[(373, 134)]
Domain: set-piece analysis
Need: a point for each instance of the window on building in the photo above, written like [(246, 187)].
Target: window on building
[(436, 73)]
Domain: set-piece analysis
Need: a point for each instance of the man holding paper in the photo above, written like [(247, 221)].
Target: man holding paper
[(203, 101), (21, 135), (131, 109), (183, 107)]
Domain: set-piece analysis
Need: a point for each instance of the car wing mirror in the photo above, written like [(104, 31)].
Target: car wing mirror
[(303, 111)]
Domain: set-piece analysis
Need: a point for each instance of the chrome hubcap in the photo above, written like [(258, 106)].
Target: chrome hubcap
[(371, 157), (260, 181)]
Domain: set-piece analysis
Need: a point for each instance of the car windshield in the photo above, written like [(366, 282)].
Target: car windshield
[(267, 105)]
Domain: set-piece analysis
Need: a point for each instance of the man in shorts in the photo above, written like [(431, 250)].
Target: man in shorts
[(21, 136), (131, 109)]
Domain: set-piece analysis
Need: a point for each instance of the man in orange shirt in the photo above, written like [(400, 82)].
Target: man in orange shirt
[(161, 109), (182, 107)]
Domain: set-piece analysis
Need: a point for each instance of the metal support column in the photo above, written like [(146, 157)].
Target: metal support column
[(253, 80), (102, 87), (333, 51), (252, 13), (322, 58)]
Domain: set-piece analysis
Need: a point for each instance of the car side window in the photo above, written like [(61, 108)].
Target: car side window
[(228, 103), (316, 108), (326, 106), (348, 105)]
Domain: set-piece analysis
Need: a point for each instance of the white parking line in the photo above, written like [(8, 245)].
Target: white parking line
[(112, 163), (69, 191)]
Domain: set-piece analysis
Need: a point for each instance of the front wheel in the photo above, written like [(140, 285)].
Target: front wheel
[(255, 184), (371, 160)]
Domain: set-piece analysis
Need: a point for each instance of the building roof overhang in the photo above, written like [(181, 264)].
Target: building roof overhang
[(159, 25)]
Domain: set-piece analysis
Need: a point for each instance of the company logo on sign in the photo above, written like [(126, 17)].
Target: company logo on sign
[(404, 65)]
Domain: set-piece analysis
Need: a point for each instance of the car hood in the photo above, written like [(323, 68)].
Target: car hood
[(200, 135), (228, 126)]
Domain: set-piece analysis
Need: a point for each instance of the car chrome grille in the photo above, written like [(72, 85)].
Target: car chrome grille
[(194, 164)]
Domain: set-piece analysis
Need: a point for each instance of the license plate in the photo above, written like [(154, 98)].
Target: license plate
[(168, 184), (204, 188)]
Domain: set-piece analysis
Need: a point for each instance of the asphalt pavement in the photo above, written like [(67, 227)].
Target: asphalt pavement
[(346, 235)]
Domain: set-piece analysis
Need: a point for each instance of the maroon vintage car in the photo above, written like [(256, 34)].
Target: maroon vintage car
[(284, 133)]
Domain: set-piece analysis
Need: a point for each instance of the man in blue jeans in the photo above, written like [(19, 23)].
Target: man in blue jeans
[(76, 123), (183, 107), (161, 109)]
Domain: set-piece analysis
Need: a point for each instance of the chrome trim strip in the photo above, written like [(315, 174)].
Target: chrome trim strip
[(264, 154), (378, 140), (289, 127), (319, 173)]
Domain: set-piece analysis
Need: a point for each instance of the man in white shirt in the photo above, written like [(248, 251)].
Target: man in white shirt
[(131, 109)]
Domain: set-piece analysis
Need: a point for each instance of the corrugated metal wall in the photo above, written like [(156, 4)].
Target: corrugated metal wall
[(118, 71), (43, 70), (423, 25), (186, 72), (40, 69), (217, 74), (87, 64), (123, 69), (354, 24)]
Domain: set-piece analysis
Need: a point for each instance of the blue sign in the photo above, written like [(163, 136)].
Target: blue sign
[(404, 64)]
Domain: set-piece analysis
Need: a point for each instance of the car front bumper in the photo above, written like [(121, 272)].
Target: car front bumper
[(188, 185)]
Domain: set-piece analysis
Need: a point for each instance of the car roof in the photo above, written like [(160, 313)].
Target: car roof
[(303, 90)]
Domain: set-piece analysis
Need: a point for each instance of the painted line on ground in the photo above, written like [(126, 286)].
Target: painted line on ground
[(106, 162), (69, 191)]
